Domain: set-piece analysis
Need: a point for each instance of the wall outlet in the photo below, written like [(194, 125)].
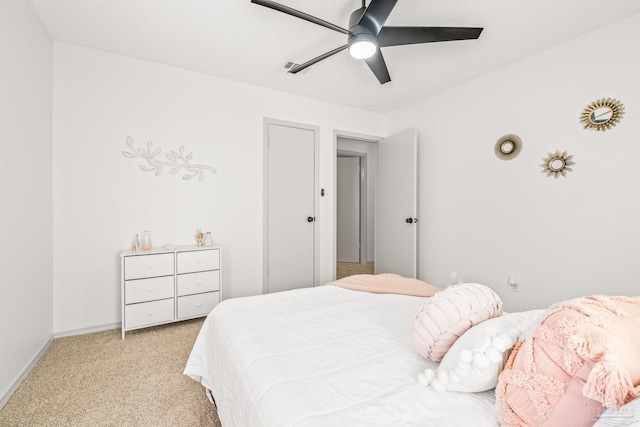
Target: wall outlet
[(512, 281)]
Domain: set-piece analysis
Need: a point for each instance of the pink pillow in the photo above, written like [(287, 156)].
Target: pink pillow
[(449, 313), (583, 356)]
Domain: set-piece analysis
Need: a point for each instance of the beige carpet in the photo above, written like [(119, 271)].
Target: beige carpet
[(100, 380), (344, 269)]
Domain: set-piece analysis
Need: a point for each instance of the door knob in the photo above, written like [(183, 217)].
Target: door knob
[(311, 219), (409, 220)]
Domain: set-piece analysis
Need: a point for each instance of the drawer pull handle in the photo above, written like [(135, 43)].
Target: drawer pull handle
[(199, 283), (198, 305), (150, 313), (150, 289), (149, 266)]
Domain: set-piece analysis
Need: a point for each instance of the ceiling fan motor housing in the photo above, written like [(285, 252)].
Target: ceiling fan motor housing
[(360, 33), (354, 20)]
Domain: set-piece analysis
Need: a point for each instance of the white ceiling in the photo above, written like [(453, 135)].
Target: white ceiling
[(239, 40)]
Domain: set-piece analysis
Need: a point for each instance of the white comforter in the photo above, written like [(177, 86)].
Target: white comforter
[(324, 357)]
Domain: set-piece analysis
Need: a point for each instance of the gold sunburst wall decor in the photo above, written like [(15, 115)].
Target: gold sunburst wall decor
[(557, 164), (508, 147), (602, 114)]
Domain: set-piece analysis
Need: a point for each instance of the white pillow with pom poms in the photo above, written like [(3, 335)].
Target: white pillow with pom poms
[(474, 361)]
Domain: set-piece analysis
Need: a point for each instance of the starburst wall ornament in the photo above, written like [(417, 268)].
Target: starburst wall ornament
[(508, 147), (602, 115), (557, 164)]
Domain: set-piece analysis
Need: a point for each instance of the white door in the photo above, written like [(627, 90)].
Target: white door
[(348, 210), (290, 247), (396, 205)]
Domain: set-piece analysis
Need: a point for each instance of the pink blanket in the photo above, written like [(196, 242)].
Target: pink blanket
[(387, 283)]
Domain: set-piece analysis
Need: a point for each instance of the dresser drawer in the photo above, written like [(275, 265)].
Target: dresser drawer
[(197, 305), (141, 266), (142, 290), (148, 313), (197, 283), (193, 261)]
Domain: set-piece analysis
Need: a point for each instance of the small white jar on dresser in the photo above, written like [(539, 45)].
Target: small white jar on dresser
[(167, 285)]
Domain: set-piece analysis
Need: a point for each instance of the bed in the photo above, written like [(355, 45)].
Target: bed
[(329, 356)]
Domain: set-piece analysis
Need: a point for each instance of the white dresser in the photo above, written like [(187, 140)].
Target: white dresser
[(166, 285)]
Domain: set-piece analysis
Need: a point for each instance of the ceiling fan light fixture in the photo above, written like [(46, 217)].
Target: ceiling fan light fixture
[(363, 46), (367, 32)]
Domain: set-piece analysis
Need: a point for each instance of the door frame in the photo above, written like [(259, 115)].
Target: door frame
[(265, 196), (337, 133), (363, 220)]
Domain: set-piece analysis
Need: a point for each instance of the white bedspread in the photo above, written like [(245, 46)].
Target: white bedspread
[(324, 357)]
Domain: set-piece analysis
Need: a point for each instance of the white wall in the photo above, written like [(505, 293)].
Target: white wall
[(101, 198), (25, 185), (486, 218)]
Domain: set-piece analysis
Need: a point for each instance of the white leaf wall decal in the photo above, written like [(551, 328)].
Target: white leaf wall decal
[(177, 161)]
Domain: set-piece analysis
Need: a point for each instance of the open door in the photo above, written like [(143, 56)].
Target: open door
[(396, 205)]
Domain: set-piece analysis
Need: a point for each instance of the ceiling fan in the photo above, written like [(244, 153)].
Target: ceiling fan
[(367, 34)]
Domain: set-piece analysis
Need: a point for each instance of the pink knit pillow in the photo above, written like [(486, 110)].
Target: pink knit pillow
[(449, 313), (583, 356)]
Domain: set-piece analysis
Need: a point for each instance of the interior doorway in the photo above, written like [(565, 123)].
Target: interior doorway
[(351, 176), (391, 216), (356, 161)]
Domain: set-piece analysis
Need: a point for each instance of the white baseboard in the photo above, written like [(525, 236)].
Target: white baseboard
[(88, 330), (5, 398)]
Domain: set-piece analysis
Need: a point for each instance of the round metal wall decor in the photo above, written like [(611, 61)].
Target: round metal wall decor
[(508, 147), (602, 114), (557, 164)]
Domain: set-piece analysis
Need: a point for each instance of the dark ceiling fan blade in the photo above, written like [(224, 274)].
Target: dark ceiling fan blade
[(293, 12), (376, 14), (379, 67), (396, 36), (317, 59)]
